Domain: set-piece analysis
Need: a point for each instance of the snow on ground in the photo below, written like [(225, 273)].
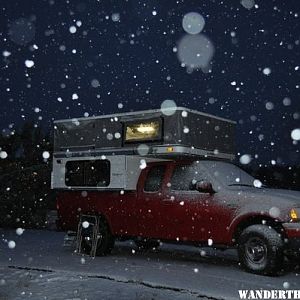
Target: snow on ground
[(33, 284), (40, 265)]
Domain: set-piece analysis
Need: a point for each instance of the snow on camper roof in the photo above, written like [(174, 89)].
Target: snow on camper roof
[(184, 132), (143, 112)]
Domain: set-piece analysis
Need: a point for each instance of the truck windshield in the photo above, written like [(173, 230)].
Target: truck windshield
[(229, 174)]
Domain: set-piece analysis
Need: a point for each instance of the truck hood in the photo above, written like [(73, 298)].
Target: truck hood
[(273, 197)]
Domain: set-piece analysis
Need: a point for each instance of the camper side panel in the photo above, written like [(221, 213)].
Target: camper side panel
[(200, 131)]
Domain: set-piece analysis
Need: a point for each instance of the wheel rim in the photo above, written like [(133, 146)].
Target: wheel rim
[(255, 250)]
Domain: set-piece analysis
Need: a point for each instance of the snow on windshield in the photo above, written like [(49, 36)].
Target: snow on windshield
[(228, 173)]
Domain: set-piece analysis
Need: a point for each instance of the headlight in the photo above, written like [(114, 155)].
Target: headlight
[(294, 215)]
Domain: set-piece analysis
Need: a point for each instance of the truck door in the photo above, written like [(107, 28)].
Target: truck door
[(149, 209), (187, 212)]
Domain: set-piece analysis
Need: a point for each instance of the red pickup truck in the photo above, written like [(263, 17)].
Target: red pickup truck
[(199, 202)]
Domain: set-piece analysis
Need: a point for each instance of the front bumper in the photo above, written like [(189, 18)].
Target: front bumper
[(292, 232)]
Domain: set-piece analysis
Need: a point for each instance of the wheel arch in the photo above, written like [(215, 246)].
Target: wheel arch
[(243, 222)]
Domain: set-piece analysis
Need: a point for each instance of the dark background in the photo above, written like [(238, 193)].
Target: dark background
[(132, 59), (134, 63)]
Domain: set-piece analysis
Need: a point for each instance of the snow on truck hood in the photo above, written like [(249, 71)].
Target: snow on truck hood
[(273, 197), (237, 182)]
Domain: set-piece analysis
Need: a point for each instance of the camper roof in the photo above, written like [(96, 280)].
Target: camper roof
[(144, 112)]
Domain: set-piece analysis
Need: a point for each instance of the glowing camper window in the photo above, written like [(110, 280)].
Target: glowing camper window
[(149, 130), (90, 173)]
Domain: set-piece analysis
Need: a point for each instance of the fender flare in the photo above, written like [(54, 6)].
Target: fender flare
[(245, 218)]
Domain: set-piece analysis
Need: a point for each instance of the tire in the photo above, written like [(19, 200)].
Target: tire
[(146, 244), (105, 243), (260, 250)]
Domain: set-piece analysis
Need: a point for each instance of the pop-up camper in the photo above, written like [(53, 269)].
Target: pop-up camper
[(105, 152)]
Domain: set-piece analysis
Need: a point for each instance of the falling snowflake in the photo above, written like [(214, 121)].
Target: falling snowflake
[(29, 63), (267, 71), (257, 183), (193, 23), (46, 154), (274, 212), (6, 53), (11, 244), (115, 17), (245, 159), (19, 231), (286, 101), (85, 224), (84, 194), (286, 285), (295, 134), (143, 149), (117, 135), (186, 129), (248, 4), (269, 105), (143, 164), (95, 83), (168, 107), (75, 96), (184, 114), (72, 29)]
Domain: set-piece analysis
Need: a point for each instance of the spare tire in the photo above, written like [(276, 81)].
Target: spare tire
[(105, 242)]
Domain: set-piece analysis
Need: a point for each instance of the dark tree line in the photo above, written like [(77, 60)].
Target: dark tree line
[(25, 194), (285, 177), (25, 145)]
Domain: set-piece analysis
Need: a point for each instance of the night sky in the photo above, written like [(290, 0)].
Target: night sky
[(124, 56)]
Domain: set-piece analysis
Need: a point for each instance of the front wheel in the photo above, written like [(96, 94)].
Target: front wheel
[(260, 250)]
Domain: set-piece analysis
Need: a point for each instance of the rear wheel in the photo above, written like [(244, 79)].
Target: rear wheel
[(105, 242), (146, 244), (260, 250)]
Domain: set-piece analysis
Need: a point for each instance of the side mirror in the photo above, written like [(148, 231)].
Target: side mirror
[(204, 187)]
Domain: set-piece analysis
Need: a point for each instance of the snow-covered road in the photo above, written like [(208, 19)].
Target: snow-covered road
[(39, 267)]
